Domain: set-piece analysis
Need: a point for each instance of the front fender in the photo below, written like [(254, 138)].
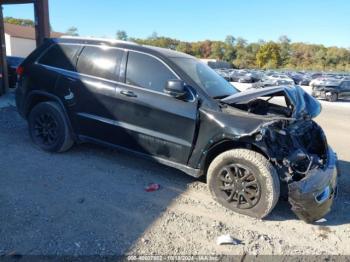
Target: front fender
[(220, 127)]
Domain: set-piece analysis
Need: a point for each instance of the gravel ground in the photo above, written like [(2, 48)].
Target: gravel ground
[(91, 200)]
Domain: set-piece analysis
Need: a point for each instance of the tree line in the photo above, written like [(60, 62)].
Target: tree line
[(281, 54)]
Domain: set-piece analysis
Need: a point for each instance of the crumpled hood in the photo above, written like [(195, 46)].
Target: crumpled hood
[(304, 105)]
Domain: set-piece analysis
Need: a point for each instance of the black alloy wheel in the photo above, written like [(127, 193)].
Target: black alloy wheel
[(239, 186), (46, 129)]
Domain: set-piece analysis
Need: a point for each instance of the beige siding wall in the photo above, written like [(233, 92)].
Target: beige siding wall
[(21, 47)]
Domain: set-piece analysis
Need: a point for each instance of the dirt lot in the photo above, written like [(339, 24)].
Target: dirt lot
[(91, 200)]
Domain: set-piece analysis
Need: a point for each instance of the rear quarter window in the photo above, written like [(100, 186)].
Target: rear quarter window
[(100, 62), (60, 56)]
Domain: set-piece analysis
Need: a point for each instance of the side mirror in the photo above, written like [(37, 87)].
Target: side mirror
[(175, 88)]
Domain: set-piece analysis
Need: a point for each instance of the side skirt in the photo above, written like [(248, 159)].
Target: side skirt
[(186, 169)]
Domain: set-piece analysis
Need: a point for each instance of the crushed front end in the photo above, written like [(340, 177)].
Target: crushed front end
[(294, 144), (306, 163)]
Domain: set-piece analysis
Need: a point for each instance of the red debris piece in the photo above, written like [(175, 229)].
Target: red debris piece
[(152, 187)]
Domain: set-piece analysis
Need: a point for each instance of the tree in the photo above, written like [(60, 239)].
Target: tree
[(153, 36), (230, 40), (241, 53), (284, 42), (19, 21), (184, 47), (72, 31), (269, 56), (122, 35), (260, 54), (218, 50), (205, 49)]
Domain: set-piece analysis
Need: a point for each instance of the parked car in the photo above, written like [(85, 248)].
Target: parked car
[(296, 77), (332, 89), (13, 62), (172, 108), (224, 73), (274, 80), (305, 81)]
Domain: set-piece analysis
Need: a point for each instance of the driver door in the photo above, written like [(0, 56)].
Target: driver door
[(156, 123)]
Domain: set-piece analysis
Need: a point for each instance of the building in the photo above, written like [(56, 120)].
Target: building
[(21, 40)]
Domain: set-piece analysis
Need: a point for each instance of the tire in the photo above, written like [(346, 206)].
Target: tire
[(48, 127), (333, 97), (262, 180)]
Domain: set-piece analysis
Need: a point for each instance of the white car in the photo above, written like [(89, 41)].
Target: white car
[(323, 81), (276, 80)]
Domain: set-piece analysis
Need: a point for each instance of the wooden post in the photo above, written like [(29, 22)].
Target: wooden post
[(4, 83), (42, 21)]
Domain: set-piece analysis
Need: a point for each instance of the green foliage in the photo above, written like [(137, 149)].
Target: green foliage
[(164, 42), (72, 31), (269, 56), (122, 35), (18, 21), (241, 54)]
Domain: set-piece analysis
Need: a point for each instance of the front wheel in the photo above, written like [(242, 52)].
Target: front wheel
[(333, 97), (245, 182)]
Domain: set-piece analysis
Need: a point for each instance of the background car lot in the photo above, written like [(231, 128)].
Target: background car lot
[(92, 200)]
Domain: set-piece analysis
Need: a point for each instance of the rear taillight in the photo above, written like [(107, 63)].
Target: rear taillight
[(20, 71)]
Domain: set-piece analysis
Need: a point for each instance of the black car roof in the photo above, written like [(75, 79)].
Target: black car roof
[(122, 44)]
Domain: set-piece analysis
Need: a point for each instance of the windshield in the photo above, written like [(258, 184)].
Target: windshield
[(205, 77)]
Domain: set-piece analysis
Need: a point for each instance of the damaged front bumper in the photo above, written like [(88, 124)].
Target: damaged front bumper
[(312, 197)]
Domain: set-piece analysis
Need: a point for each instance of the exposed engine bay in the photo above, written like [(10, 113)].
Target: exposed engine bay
[(296, 148), (294, 142), (265, 107)]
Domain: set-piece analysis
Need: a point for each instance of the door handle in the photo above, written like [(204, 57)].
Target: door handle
[(128, 93)]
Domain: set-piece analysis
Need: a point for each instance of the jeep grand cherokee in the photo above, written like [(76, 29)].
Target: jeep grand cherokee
[(170, 107)]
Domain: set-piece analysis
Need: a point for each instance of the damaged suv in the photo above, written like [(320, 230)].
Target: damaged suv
[(171, 107)]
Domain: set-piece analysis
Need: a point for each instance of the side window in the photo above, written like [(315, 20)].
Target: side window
[(147, 72), (60, 56), (100, 62)]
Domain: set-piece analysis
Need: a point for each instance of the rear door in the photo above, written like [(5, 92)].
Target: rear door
[(157, 124), (89, 93)]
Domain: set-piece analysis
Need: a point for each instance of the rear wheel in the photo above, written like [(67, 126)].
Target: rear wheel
[(245, 182), (48, 127)]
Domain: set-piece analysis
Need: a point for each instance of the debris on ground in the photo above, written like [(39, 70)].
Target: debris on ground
[(152, 187), (226, 240), (322, 220)]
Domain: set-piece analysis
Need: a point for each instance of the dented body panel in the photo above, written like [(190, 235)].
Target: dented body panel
[(312, 197)]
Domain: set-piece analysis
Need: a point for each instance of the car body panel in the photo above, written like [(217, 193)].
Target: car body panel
[(303, 103), (302, 194)]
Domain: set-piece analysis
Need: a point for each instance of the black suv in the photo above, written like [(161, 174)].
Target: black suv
[(332, 89), (173, 108)]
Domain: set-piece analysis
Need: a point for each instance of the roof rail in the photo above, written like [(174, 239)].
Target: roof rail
[(111, 40)]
